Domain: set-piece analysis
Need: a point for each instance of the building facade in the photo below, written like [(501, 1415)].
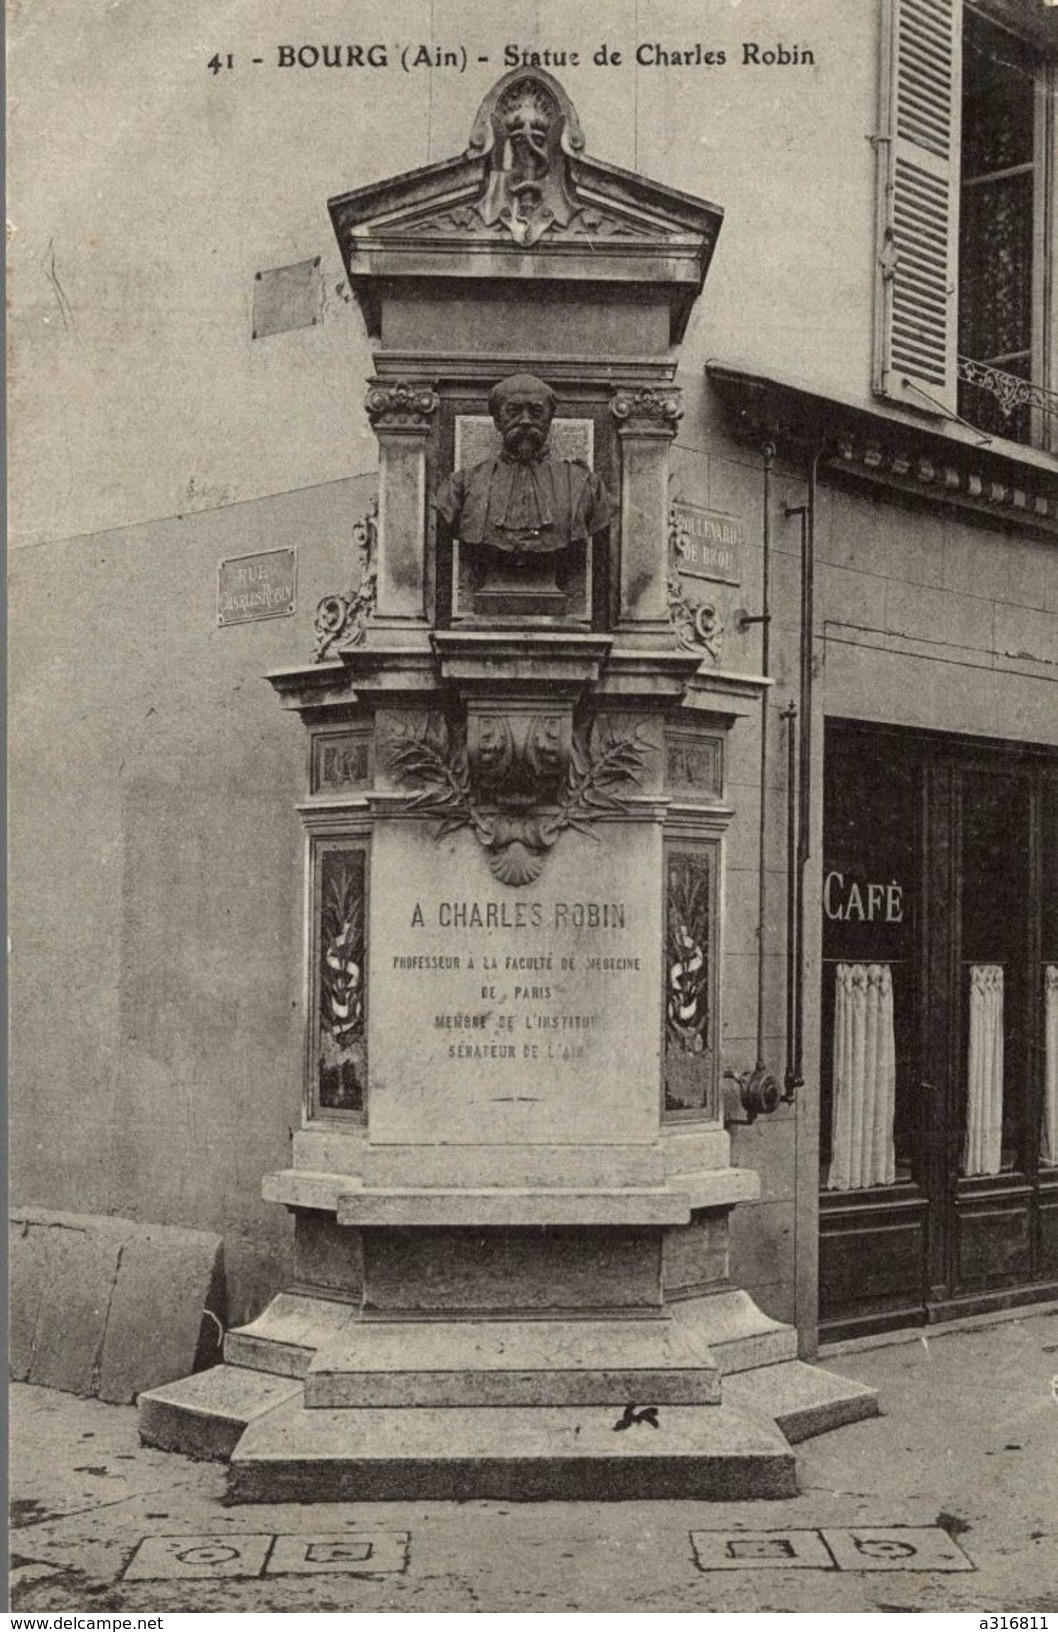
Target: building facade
[(864, 515)]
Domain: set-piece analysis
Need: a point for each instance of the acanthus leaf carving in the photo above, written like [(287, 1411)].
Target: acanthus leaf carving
[(697, 624), (341, 620)]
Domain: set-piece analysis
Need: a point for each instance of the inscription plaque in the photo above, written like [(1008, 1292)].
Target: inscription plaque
[(708, 543), (256, 586), (515, 1018)]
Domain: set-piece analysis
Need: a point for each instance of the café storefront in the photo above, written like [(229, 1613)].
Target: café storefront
[(939, 1027)]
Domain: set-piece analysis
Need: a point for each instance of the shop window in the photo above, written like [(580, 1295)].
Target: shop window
[(993, 908), (868, 1000), (965, 309)]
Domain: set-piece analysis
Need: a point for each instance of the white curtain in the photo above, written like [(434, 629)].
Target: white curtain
[(983, 1149), (864, 1078), (1049, 1143)]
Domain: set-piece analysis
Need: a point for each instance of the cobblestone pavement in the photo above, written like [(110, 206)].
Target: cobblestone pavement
[(949, 1501)]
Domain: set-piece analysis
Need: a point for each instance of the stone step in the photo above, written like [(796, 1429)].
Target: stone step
[(511, 1362), (285, 1337), (509, 1453), (737, 1334), (802, 1400), (205, 1414)]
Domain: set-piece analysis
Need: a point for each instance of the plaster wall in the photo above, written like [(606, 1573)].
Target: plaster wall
[(146, 192), (156, 876)]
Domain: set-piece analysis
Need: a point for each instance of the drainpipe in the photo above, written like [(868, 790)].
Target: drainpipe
[(795, 974), (789, 718), (758, 1091)]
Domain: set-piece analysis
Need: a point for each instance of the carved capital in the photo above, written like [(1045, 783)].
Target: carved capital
[(401, 407), (647, 408)]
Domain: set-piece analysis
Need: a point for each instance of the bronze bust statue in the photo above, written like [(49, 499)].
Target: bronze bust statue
[(523, 504)]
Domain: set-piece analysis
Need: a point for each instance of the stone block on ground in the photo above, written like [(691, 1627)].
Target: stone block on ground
[(79, 1265), (166, 1311), (104, 1306), (28, 1252)]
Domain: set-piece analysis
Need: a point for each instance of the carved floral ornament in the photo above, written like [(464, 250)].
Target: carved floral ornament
[(341, 620), (697, 624), (518, 782)]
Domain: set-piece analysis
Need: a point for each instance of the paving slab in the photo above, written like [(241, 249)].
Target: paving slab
[(761, 1550)]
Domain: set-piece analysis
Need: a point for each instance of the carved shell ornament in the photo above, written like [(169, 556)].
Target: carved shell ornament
[(599, 767)]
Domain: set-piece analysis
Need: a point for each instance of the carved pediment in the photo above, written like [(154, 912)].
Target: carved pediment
[(525, 185), (586, 223)]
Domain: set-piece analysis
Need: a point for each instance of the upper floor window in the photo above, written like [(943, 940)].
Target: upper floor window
[(1003, 222), (966, 319)]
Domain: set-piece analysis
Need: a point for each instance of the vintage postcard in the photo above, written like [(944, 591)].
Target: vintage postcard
[(534, 813)]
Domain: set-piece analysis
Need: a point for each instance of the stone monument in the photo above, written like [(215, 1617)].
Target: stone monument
[(511, 1188)]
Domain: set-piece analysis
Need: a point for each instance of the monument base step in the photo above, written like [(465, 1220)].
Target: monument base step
[(511, 1362), (285, 1337), (738, 1335), (204, 1415), (802, 1400), (523, 1453)]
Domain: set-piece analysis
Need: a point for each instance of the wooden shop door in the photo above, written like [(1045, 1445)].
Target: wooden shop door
[(939, 1098)]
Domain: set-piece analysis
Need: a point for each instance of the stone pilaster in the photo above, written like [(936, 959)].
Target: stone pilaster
[(647, 420), (401, 414)]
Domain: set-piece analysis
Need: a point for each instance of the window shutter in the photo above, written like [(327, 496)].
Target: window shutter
[(918, 205)]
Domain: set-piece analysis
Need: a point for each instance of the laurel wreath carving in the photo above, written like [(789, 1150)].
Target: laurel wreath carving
[(433, 762)]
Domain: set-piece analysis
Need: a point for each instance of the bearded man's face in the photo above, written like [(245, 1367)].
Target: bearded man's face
[(523, 423)]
